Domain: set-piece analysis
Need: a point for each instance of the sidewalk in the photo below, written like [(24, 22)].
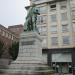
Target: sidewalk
[(62, 74)]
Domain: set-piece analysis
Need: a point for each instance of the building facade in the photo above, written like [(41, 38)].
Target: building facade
[(17, 29), (56, 24), (7, 37)]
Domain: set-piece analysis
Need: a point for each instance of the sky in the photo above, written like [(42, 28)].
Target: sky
[(12, 12)]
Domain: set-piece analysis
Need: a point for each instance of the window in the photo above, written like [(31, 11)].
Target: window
[(44, 28), (39, 29), (54, 41), (44, 42), (42, 9), (38, 20), (53, 29), (65, 28), (53, 7), (41, 20), (9, 35), (66, 40), (3, 34), (35, 0), (73, 14), (6, 34), (0, 30), (53, 18), (73, 26), (17, 29), (64, 16), (12, 37), (72, 3), (63, 5)]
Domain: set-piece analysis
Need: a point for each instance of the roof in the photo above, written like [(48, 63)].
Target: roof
[(15, 26)]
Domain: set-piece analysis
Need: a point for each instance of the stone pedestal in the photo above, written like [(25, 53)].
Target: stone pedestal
[(30, 49), (30, 54)]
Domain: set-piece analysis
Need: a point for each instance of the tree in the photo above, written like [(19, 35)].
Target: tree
[(13, 50), (1, 48)]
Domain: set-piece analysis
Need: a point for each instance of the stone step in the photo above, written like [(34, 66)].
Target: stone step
[(3, 74), (4, 66), (3, 71), (25, 66), (26, 71)]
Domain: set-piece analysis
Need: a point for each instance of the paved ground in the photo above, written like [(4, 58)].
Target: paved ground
[(62, 74)]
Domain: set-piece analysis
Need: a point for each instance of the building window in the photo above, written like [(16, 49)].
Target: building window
[(73, 14), (38, 20), (63, 5), (44, 28), (73, 26), (9, 35), (44, 42), (64, 16), (42, 9), (66, 40), (65, 28), (39, 29), (17, 29), (12, 37), (41, 19), (53, 18), (0, 30), (3, 33), (53, 29), (35, 0), (6, 34), (54, 41), (72, 3), (53, 7)]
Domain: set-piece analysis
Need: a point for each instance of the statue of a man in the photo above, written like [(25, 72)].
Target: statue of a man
[(30, 24)]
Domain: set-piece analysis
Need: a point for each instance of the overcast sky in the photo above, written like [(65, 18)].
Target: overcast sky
[(12, 12)]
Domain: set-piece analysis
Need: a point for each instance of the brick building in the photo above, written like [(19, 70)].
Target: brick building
[(7, 37), (17, 29)]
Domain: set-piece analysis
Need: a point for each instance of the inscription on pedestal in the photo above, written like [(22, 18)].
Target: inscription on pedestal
[(23, 43)]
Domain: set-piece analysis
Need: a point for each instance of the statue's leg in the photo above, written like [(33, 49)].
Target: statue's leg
[(28, 26), (31, 25)]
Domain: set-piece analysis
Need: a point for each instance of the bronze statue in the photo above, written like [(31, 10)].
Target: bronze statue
[(30, 24)]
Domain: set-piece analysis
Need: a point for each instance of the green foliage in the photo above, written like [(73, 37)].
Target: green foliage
[(1, 48), (13, 50)]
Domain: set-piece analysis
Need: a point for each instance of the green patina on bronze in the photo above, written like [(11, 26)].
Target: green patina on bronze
[(30, 24)]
